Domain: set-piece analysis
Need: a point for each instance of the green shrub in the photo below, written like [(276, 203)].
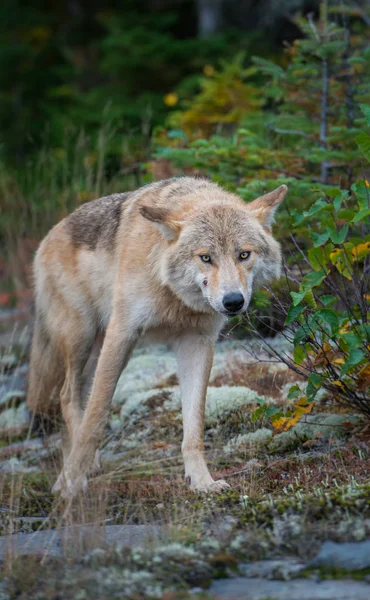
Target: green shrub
[(329, 316)]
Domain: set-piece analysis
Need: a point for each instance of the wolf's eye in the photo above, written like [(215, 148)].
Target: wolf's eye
[(244, 255), (205, 258)]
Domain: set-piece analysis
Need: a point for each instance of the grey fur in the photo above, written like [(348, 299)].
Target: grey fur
[(96, 223)]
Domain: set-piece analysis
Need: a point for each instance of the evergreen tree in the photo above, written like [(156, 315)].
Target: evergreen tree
[(316, 97)]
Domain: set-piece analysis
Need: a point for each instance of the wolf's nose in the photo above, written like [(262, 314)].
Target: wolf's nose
[(233, 302)]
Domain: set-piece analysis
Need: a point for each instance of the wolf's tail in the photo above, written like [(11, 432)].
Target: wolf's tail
[(46, 373)]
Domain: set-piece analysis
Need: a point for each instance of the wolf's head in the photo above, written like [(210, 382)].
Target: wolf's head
[(218, 252)]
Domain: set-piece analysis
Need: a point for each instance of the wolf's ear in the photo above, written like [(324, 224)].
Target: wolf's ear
[(162, 219), (265, 206)]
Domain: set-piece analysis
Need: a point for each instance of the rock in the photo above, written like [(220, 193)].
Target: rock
[(8, 361), (14, 421), (73, 540), (12, 386), (142, 402), (14, 465), (12, 399), (243, 588), (350, 556), (272, 569), (22, 448), (146, 371)]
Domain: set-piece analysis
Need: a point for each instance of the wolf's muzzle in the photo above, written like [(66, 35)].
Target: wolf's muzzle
[(233, 302)]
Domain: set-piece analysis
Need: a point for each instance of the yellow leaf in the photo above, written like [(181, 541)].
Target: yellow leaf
[(303, 401), (279, 422), (338, 383), (361, 250), (364, 378), (171, 99), (339, 360), (208, 70), (39, 34), (367, 183), (335, 254), (365, 370), (345, 327), (285, 423)]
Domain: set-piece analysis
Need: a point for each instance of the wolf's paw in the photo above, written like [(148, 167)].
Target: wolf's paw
[(218, 486), (69, 486), (208, 486)]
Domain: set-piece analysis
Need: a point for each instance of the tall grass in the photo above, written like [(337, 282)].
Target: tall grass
[(57, 180)]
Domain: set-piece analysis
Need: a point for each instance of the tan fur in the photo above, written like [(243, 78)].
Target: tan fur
[(129, 266)]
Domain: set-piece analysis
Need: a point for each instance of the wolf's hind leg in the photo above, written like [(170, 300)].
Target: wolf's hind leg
[(194, 356), (77, 347)]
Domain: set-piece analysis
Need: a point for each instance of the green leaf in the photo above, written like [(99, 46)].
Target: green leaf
[(293, 312), (317, 207), (337, 202), (328, 317), (301, 334), (299, 354), (327, 299), (363, 142), (294, 392), (366, 110), (313, 385), (313, 279), (317, 258), (319, 238), (271, 411), (258, 413), (352, 339), (310, 299), (332, 192), (355, 357), (338, 237), (362, 193), (365, 212), (346, 213), (297, 297)]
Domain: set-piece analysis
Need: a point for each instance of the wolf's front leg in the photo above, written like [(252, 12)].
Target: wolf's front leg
[(194, 356), (117, 347)]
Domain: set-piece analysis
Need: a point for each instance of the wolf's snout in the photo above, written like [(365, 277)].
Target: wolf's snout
[(233, 302)]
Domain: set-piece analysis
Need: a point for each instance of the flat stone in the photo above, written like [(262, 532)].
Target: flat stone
[(77, 540), (15, 465), (12, 398), (8, 361), (14, 421), (272, 569), (245, 588), (351, 556), (22, 448)]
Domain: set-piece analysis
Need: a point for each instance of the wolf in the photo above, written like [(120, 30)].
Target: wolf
[(168, 262)]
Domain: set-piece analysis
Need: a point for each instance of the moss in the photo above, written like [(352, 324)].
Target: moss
[(147, 371), (260, 437), (324, 425), (28, 495)]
